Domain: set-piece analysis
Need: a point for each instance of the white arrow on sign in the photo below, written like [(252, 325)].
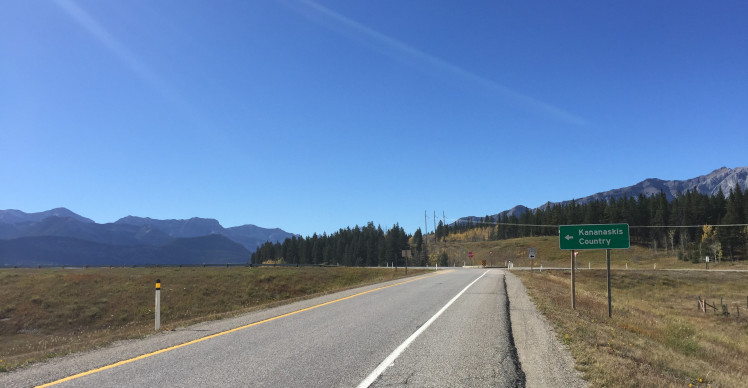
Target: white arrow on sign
[(569, 237)]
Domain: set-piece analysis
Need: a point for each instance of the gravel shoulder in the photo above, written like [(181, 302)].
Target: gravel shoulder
[(545, 360)]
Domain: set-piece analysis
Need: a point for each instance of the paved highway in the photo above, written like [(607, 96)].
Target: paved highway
[(446, 329)]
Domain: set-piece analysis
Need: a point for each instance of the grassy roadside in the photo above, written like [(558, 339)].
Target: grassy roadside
[(50, 312), (656, 337), (549, 255)]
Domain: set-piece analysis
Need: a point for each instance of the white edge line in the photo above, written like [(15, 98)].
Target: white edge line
[(400, 349)]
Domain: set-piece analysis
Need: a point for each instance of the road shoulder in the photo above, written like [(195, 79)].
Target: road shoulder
[(72, 364), (545, 360)]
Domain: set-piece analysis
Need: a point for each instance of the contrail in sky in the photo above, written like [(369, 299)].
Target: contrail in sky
[(96, 30), (393, 47), (130, 59)]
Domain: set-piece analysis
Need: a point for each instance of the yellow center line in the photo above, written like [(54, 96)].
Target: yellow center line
[(164, 350)]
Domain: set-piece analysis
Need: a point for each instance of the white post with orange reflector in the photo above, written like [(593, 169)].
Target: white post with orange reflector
[(158, 304)]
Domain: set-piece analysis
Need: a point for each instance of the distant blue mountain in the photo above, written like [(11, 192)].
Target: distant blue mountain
[(61, 237), (88, 231), (68, 251), (250, 236), (18, 217), (192, 227)]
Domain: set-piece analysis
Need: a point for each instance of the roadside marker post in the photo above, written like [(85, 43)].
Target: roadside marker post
[(531, 255), (603, 236), (406, 255), (158, 304), (573, 281)]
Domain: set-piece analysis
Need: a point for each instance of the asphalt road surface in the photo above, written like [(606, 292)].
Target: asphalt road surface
[(451, 329)]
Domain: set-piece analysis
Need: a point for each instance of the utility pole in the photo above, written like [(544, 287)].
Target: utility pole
[(434, 221), (425, 222)]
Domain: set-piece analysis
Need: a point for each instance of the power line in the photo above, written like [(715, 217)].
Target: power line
[(630, 226), (686, 226)]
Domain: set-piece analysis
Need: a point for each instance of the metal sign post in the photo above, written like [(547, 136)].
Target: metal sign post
[(406, 255), (532, 258), (605, 236), (610, 304), (573, 286)]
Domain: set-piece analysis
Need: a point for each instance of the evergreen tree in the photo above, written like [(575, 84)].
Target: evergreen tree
[(733, 239), (443, 259), (418, 248), (440, 232)]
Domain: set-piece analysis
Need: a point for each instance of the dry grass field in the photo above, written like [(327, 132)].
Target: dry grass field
[(549, 255), (49, 312), (656, 337)]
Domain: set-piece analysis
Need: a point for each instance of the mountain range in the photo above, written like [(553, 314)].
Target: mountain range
[(724, 179), (61, 237)]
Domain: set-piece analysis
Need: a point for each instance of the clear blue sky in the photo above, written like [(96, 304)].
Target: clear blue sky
[(315, 116)]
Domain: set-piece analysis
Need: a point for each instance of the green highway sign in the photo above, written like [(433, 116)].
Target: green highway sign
[(606, 236)]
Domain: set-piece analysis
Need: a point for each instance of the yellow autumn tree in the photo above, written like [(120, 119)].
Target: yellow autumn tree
[(710, 242)]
